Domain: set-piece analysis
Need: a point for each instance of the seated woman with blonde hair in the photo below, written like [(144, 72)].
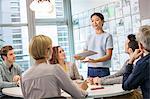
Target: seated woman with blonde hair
[(58, 57), (43, 80)]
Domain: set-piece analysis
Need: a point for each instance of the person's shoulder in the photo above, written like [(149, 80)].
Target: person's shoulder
[(107, 34), (26, 74), (55, 67), (1, 66), (144, 60), (143, 63), (16, 65)]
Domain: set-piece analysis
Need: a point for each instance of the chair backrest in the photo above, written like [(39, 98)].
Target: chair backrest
[(59, 97)]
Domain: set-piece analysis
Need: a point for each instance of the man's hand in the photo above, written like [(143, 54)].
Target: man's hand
[(18, 83), (137, 53), (16, 78)]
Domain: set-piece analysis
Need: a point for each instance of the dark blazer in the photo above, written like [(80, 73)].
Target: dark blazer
[(139, 75)]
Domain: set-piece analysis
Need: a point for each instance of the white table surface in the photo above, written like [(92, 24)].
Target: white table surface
[(108, 91), (13, 91)]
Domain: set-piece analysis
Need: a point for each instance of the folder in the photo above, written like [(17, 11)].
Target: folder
[(87, 53)]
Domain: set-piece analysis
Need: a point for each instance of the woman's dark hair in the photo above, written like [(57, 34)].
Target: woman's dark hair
[(54, 59), (131, 37), (4, 50), (99, 15), (133, 44)]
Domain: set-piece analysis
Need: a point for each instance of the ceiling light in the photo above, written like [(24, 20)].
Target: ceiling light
[(42, 6)]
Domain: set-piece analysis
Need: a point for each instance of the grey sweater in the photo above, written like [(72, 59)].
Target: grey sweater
[(6, 76), (115, 78), (73, 71), (47, 80)]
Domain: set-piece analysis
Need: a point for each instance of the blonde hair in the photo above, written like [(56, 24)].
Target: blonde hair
[(40, 47), (143, 36)]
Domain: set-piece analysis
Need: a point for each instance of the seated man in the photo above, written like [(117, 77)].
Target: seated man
[(130, 46), (140, 74), (9, 71)]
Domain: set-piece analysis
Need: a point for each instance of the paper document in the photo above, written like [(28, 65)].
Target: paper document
[(87, 53)]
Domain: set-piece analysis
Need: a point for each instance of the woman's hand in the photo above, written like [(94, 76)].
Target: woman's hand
[(97, 81), (92, 60), (77, 57), (94, 81), (90, 80), (89, 60), (84, 85)]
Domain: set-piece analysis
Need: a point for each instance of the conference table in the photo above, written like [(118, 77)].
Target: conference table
[(94, 91)]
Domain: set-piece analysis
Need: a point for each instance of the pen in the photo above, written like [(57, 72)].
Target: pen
[(97, 88)]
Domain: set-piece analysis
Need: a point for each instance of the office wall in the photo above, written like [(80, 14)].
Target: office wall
[(121, 18), (84, 5), (144, 7)]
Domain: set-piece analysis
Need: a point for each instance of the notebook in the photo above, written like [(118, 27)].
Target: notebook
[(87, 53)]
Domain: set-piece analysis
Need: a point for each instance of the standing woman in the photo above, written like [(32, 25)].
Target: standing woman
[(101, 42), (58, 57)]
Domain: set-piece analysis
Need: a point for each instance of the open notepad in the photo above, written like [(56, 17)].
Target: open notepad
[(87, 53)]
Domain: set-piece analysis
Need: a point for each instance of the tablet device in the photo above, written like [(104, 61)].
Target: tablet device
[(87, 53)]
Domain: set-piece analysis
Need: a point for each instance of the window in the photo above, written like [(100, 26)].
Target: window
[(17, 36), (12, 36), (52, 32), (15, 20), (14, 27), (15, 4), (19, 57), (18, 52), (17, 41), (15, 9), (15, 15), (16, 30), (18, 47)]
